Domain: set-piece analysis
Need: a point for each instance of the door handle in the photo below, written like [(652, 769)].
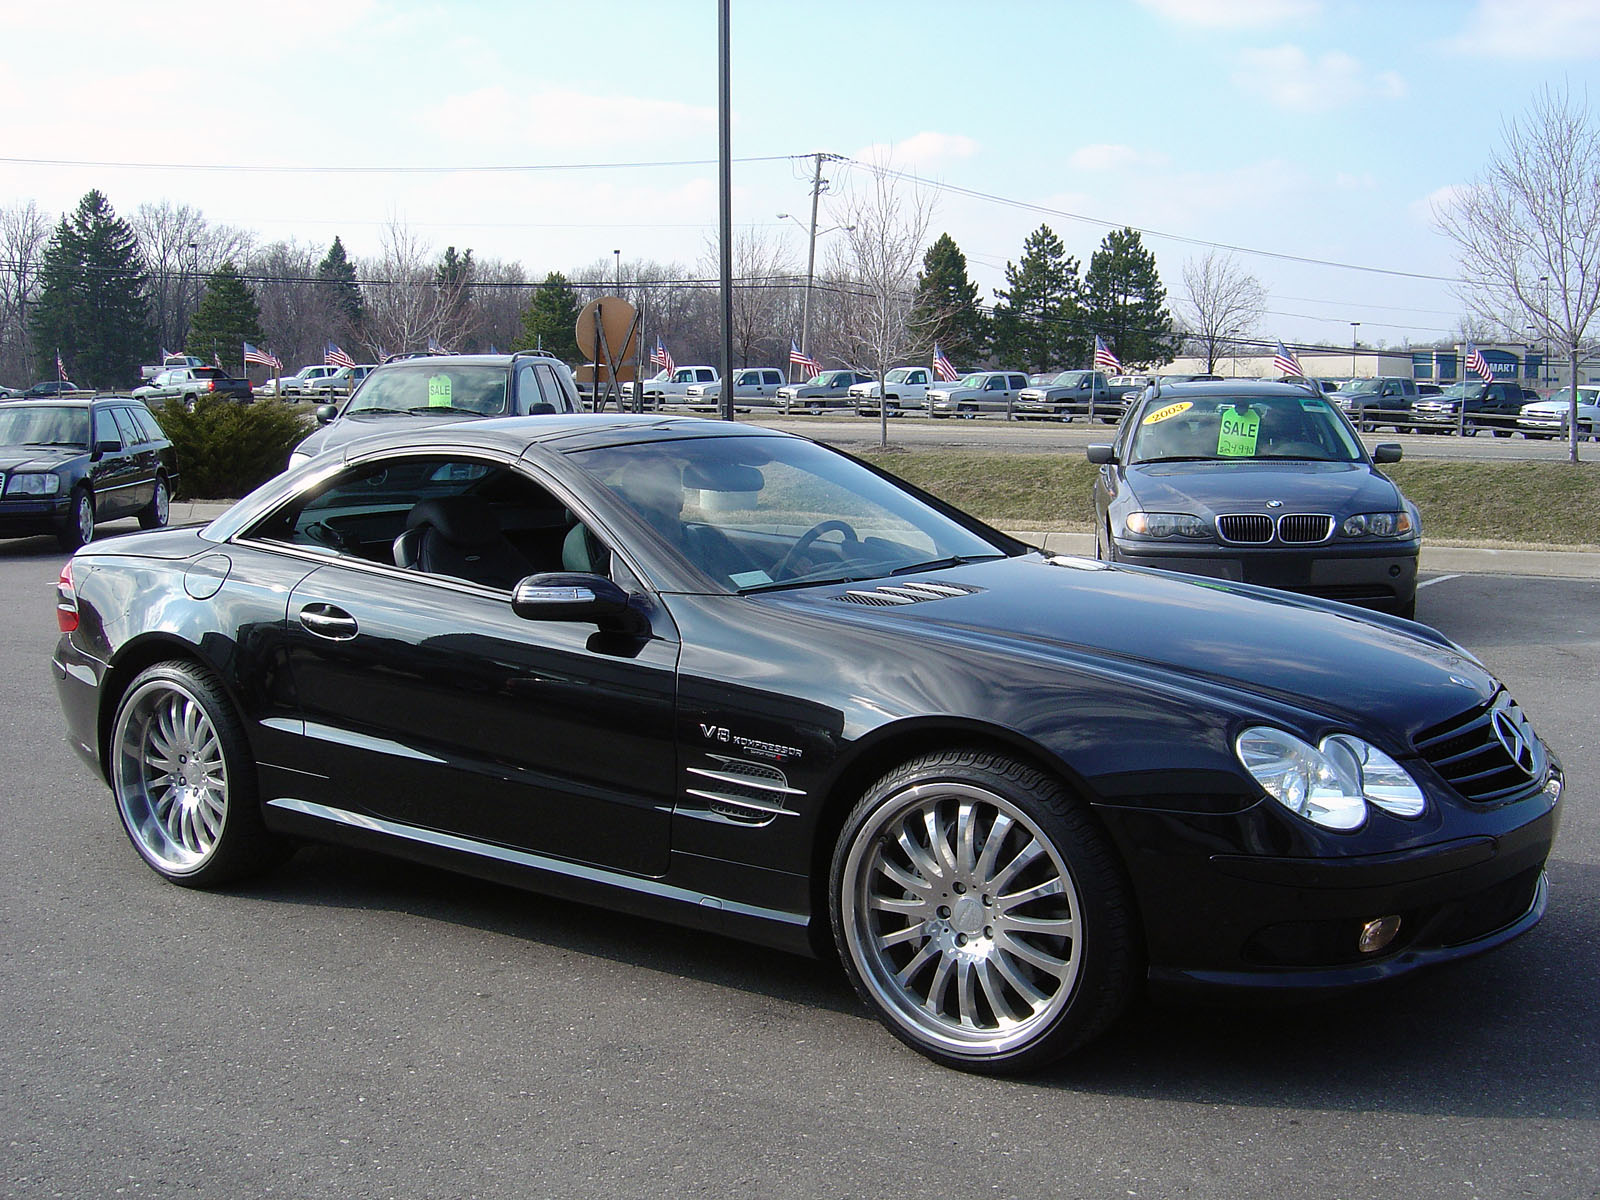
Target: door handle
[(326, 621)]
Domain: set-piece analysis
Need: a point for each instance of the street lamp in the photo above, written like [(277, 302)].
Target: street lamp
[(1354, 325), (811, 271), (618, 253)]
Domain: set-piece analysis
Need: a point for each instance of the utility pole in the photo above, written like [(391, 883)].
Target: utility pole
[(725, 200), (817, 184)]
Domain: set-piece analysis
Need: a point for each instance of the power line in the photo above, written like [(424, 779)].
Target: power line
[(482, 169)]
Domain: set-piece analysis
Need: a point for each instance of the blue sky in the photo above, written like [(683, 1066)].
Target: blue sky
[(1291, 129)]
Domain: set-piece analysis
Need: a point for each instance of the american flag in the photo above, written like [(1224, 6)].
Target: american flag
[(216, 357), (1285, 363), (61, 368), (1478, 364), (943, 368), (799, 358), (335, 357), (1104, 360), (434, 347), (662, 357), (265, 357)]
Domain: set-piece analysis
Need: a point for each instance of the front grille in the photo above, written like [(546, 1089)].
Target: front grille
[(1487, 753), (1245, 527), (1303, 528)]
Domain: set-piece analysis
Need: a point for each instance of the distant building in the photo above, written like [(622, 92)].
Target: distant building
[(1508, 360)]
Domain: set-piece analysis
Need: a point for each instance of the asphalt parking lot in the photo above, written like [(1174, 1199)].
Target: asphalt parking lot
[(353, 1026)]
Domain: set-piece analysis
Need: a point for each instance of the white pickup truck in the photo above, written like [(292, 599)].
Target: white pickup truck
[(906, 390), (753, 387), (668, 387)]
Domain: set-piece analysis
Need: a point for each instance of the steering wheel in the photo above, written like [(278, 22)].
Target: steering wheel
[(324, 534), (785, 565)]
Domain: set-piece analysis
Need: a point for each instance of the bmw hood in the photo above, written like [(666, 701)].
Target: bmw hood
[(1208, 487), (1179, 631)]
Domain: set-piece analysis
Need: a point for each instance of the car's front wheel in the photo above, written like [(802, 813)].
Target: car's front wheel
[(156, 514), (79, 528), (184, 781), (981, 913)]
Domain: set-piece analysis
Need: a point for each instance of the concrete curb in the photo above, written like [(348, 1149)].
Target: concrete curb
[(1437, 560)]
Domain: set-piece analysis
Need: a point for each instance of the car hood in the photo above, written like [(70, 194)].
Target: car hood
[(1338, 488), (37, 458), (1558, 408), (1176, 631), (351, 426)]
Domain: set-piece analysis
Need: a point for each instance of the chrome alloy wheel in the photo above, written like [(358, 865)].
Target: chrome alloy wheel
[(962, 918), (170, 776)]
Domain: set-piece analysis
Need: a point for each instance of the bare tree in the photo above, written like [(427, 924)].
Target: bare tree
[(883, 239), (409, 305), (23, 233), (180, 248), (1528, 229), (1222, 305), (766, 293), (297, 312)]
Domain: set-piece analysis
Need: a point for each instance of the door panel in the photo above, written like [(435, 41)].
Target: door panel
[(436, 706)]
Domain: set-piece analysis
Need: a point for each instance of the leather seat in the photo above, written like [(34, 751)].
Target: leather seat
[(460, 536)]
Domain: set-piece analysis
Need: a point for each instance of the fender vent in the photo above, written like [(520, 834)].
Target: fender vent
[(893, 595), (749, 792)]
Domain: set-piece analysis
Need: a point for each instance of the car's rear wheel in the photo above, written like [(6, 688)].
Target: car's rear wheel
[(981, 913), (156, 514), (79, 529), (184, 781)]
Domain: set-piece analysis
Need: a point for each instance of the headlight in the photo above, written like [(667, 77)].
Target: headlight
[(34, 484), (1329, 786), (1381, 524), (1165, 525)]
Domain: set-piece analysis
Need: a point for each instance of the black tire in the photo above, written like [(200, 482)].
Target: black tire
[(184, 779), (918, 894), (1502, 433), (80, 526), (158, 512)]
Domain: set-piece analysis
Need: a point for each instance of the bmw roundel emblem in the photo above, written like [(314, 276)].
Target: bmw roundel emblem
[(1274, 503)]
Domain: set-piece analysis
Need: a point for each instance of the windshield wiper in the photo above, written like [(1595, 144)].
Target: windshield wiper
[(940, 564), (1180, 458), (376, 412), (442, 408)]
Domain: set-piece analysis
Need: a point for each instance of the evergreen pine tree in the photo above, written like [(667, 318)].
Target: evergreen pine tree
[(228, 317), (1127, 306), (91, 307), (338, 275), (1038, 322), (947, 311), (551, 319)]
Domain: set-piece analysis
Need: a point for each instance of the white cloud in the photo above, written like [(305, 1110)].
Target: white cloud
[(499, 116), (1290, 78), (1104, 157), (1233, 14), (919, 153), (1428, 209), (1530, 30)]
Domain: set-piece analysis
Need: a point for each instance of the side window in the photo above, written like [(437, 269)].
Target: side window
[(132, 435), (705, 376), (555, 395), (105, 428), (529, 391), (997, 384), (917, 377), (147, 425)]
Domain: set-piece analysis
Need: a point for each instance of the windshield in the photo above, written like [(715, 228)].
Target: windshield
[(898, 375), (430, 387), (1226, 429), (44, 426), (1362, 386), (1458, 390), (757, 513), (1564, 396), (1068, 378), (973, 381)]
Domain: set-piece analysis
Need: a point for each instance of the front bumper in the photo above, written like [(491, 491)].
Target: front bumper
[(26, 517), (1381, 575)]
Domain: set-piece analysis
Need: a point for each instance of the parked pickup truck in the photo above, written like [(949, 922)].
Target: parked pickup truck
[(190, 383), (1386, 400), (669, 387), (825, 389), (1074, 392), (168, 363), (982, 391), (1470, 406), (753, 387), (906, 389)]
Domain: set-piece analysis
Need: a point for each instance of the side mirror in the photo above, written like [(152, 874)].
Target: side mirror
[(573, 596), (326, 413), (1387, 452), (1100, 454), (107, 446)]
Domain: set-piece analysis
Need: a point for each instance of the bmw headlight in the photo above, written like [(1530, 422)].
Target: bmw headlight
[(1165, 525), (34, 483), (1330, 785), (1378, 524)]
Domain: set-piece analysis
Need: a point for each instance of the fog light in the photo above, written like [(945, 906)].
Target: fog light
[(1375, 935)]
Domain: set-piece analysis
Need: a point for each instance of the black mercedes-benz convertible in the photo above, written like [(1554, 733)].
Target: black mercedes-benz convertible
[(731, 678)]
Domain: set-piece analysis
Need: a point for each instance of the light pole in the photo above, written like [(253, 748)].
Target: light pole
[(811, 270), (1354, 325), (618, 254)]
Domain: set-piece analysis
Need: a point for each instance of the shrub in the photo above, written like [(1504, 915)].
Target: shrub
[(225, 449)]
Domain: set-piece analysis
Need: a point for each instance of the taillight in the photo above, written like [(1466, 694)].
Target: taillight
[(66, 601), (211, 385)]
